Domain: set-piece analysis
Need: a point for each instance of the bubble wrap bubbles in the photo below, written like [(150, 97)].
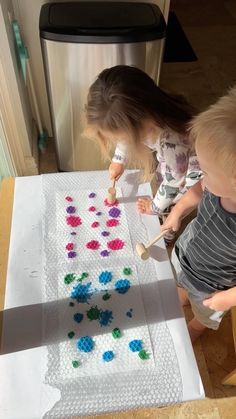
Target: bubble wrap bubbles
[(128, 381)]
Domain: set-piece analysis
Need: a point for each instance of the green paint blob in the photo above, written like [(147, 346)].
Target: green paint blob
[(75, 364), (69, 278), (71, 334), (116, 333), (83, 276), (127, 271), (93, 313), (143, 354), (106, 296)]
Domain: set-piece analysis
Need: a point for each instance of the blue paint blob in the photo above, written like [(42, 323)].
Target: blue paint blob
[(106, 318), (135, 345), (129, 313), (78, 317), (108, 356), (105, 277), (85, 344), (82, 292), (122, 286)]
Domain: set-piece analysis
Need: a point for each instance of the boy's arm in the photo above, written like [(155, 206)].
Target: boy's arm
[(222, 300), (186, 204)]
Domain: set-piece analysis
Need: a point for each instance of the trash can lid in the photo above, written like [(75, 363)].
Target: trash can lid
[(96, 22)]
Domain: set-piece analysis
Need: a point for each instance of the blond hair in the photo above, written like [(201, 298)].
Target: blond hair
[(215, 129), (122, 98)]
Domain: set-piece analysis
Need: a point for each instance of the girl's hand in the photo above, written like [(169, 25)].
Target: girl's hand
[(172, 222), (116, 170), (144, 205), (218, 301)]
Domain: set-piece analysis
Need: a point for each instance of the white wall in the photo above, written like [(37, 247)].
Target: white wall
[(15, 111), (27, 13)]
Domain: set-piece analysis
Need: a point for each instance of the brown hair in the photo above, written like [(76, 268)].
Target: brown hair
[(122, 98), (215, 129)]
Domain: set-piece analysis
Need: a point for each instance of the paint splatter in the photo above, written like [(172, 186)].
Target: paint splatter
[(82, 293), (73, 233), (136, 345), (116, 244), (105, 277), (104, 253), (105, 233), (93, 313), (92, 209), (116, 333), (106, 296), (70, 246), (99, 213), (71, 304), (106, 318), (69, 198), (114, 212), (93, 244), (85, 344), (130, 313), (83, 276), (127, 271), (108, 356), (112, 223), (143, 355), (75, 364), (71, 335), (73, 221), (92, 195), (70, 210), (69, 278), (113, 204), (95, 224), (122, 286), (78, 317), (71, 255)]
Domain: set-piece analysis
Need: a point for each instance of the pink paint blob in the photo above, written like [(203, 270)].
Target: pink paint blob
[(95, 224), (93, 244), (92, 209), (116, 244), (70, 246), (112, 222), (113, 204), (73, 220), (69, 198)]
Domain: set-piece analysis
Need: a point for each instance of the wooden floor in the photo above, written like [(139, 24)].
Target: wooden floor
[(210, 26)]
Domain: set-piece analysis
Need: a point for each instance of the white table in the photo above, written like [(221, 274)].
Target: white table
[(23, 362)]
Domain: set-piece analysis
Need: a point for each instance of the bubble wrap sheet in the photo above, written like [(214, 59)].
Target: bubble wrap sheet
[(126, 382)]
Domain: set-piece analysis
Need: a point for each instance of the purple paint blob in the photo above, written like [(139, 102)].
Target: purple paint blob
[(114, 212), (105, 233), (71, 255), (70, 210), (104, 253), (99, 213), (92, 195)]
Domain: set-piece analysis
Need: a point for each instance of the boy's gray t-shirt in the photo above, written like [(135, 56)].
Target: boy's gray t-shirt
[(207, 248)]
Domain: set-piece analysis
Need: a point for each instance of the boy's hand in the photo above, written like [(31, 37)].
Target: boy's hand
[(116, 170), (172, 222), (219, 301), (144, 205)]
